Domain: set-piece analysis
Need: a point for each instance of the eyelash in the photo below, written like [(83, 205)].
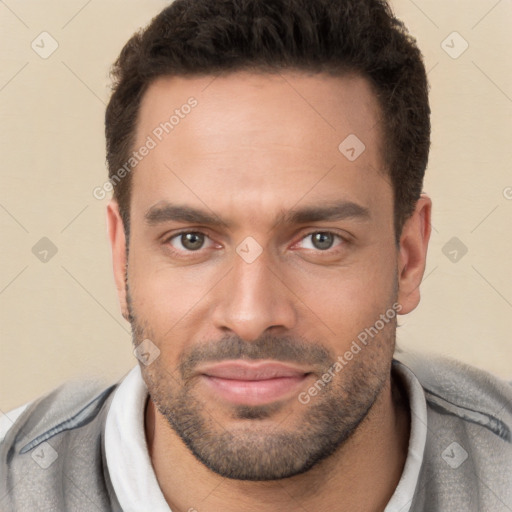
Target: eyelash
[(343, 241)]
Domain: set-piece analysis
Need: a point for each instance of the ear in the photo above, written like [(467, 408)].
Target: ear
[(413, 254), (117, 240)]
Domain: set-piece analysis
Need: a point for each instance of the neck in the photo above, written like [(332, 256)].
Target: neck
[(360, 476)]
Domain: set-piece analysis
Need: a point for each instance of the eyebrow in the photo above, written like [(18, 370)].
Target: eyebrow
[(167, 212), (341, 210)]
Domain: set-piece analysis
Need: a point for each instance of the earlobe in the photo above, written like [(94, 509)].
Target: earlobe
[(117, 240), (413, 254)]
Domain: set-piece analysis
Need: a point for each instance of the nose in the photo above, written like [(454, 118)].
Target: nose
[(253, 298)]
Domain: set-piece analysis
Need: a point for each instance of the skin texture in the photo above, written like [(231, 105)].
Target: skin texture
[(256, 148)]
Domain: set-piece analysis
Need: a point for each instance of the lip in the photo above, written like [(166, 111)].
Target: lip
[(253, 383)]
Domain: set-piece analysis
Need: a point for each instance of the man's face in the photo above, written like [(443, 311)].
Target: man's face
[(259, 251)]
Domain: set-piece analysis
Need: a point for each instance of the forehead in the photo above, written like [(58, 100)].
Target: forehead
[(267, 137), (303, 103)]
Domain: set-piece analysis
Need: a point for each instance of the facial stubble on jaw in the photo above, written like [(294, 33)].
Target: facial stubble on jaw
[(256, 448)]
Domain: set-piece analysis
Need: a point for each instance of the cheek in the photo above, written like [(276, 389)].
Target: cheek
[(349, 299), (169, 300)]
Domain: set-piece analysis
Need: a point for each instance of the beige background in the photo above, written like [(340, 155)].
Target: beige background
[(60, 319)]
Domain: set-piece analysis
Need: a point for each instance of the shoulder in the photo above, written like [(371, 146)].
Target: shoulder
[(462, 390), (467, 460), (54, 451), (68, 407)]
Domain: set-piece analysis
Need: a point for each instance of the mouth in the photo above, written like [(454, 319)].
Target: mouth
[(253, 383)]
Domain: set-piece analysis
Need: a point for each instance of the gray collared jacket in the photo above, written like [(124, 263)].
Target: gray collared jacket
[(53, 457)]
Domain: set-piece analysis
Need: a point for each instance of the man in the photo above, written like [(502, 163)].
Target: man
[(267, 228)]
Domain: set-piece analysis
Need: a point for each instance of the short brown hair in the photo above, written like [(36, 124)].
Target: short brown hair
[(200, 37)]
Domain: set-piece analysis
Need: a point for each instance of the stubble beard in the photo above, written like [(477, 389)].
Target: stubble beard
[(254, 447)]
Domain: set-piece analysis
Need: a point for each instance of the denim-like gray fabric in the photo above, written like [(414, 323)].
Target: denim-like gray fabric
[(467, 464), (53, 458)]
